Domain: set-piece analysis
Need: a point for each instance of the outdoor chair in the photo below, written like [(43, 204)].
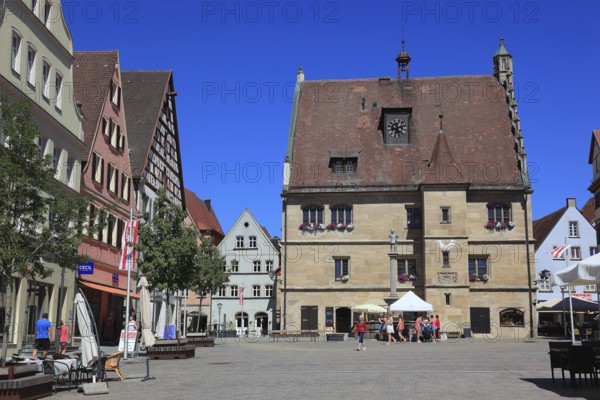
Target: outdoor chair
[(61, 370), (580, 360), (555, 357), (112, 364)]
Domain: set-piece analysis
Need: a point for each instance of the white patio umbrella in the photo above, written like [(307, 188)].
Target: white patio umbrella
[(146, 318), (369, 308), (89, 342)]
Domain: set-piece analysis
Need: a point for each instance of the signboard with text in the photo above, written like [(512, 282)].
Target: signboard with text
[(131, 339), (584, 296), (85, 268)]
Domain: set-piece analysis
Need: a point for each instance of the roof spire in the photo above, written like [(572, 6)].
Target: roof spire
[(402, 59), (502, 51)]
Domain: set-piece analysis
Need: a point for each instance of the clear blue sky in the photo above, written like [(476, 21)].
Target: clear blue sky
[(235, 64)]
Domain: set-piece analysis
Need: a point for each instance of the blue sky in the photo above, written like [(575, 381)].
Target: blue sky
[(235, 64)]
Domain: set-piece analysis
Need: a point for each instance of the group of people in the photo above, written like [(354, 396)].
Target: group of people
[(425, 329)]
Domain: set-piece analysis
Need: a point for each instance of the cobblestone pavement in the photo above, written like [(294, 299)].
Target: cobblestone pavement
[(461, 369)]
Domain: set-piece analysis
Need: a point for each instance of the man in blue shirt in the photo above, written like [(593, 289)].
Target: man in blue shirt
[(43, 335)]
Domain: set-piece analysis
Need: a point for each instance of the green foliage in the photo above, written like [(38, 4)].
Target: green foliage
[(38, 215), (209, 261), (169, 248)]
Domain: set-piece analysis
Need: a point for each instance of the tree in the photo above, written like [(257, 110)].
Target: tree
[(210, 275), (39, 217), (169, 249)]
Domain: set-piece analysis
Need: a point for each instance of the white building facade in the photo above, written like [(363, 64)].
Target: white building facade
[(247, 303)]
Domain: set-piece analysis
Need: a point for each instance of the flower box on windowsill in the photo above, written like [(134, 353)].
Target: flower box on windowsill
[(479, 278), (402, 278), (314, 228), (344, 278), (499, 226)]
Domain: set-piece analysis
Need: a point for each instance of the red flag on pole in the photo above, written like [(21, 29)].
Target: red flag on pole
[(242, 295), (130, 237)]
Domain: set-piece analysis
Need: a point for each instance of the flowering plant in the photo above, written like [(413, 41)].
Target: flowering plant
[(403, 278), (472, 278), (341, 227), (331, 226), (311, 227), (344, 277), (475, 277), (349, 227), (499, 225)]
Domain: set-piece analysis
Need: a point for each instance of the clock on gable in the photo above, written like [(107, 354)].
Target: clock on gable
[(396, 127)]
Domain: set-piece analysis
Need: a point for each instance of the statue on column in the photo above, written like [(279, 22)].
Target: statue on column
[(393, 240)]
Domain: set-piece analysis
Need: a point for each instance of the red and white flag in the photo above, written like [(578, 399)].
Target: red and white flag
[(130, 237), (242, 295), (558, 251)]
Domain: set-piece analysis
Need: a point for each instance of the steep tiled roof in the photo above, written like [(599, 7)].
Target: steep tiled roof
[(92, 75), (442, 168), (344, 117), (589, 211), (143, 95), (595, 142), (205, 219), (543, 226)]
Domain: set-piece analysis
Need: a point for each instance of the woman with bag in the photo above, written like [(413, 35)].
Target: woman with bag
[(389, 326)]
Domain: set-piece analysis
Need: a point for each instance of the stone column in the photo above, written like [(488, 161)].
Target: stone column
[(393, 274)]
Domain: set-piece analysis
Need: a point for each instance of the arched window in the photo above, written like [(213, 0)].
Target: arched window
[(312, 214), (341, 214)]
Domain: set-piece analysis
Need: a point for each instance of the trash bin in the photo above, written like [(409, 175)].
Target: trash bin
[(467, 332)]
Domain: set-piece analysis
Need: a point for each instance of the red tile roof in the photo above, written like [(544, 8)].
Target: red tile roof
[(340, 117), (92, 76), (543, 226), (204, 218), (589, 211)]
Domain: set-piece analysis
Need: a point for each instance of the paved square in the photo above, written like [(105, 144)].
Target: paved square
[(460, 369)]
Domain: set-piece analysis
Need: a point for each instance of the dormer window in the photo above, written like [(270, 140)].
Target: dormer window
[(343, 165)]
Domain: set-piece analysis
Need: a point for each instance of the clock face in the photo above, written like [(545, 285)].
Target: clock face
[(396, 127)]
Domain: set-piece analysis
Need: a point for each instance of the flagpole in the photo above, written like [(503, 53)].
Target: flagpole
[(567, 251), (129, 260), (242, 304)]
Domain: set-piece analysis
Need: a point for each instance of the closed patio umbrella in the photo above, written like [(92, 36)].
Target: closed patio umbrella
[(146, 318), (89, 342)]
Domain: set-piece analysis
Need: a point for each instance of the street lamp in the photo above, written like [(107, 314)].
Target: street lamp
[(219, 305)]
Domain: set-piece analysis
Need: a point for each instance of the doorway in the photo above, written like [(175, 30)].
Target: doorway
[(343, 320), (480, 319)]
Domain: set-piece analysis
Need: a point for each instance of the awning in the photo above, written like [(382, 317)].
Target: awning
[(109, 289)]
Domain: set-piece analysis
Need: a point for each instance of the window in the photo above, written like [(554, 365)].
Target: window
[(234, 266), (338, 166), (112, 228), (477, 267), (257, 266), (349, 166), (407, 266), (575, 253), (31, 56), (573, 229), (341, 214), (59, 86), (252, 241), (234, 290), (268, 266), (120, 229), (312, 214), (593, 250), (256, 291), (222, 292), (41, 143), (239, 242), (498, 212), (46, 80), (15, 54), (446, 259), (445, 215), (106, 128), (589, 288), (544, 285), (115, 94), (225, 266), (34, 6), (125, 188), (92, 219), (342, 268), (269, 290), (70, 170), (113, 177), (56, 160), (97, 169), (448, 297), (413, 217), (115, 135), (342, 165), (102, 219), (47, 9)]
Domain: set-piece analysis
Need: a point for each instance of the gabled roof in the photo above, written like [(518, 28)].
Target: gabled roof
[(543, 226), (442, 168), (143, 96), (589, 211), (92, 75), (346, 116), (205, 219), (233, 230)]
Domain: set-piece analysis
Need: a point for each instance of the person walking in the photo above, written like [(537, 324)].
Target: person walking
[(43, 336), (389, 326), (400, 328), (418, 324), (360, 328), (65, 337)]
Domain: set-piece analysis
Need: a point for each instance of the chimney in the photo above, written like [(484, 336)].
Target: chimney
[(571, 202), (207, 203)]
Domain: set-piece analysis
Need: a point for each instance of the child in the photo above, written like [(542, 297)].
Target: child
[(361, 328), (65, 337)]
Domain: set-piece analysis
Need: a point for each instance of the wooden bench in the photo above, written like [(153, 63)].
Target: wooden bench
[(452, 335), (171, 349), (201, 341), (22, 382)]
